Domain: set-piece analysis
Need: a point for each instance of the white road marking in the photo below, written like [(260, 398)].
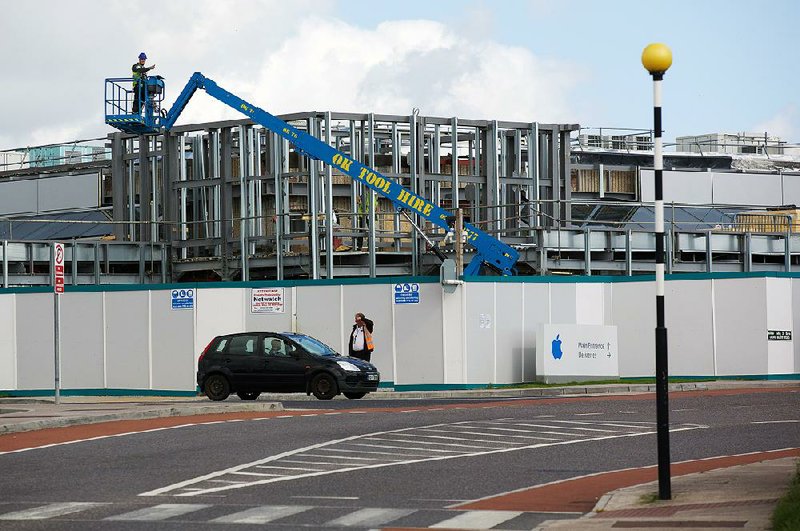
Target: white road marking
[(437, 450), (482, 434), (559, 427), (261, 515), (328, 497), (477, 519), (288, 468), (420, 437), (369, 517), (342, 457), (159, 512), (628, 423), (775, 422), (587, 414), (383, 441), (49, 511)]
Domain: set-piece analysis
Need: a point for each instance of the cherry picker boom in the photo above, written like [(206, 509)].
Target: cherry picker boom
[(490, 251)]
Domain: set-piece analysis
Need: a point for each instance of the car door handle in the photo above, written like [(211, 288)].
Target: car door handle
[(227, 360)]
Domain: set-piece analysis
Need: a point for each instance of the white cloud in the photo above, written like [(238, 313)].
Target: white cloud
[(331, 65), (785, 124), (276, 55)]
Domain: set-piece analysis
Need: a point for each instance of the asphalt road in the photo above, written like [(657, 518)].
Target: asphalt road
[(372, 463)]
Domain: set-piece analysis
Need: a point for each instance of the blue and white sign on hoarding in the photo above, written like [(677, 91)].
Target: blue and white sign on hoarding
[(568, 351), (182, 299), (406, 293)]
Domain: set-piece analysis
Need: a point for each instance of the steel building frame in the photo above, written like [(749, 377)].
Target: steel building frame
[(234, 201)]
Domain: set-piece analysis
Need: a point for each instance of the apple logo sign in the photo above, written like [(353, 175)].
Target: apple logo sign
[(557, 347)]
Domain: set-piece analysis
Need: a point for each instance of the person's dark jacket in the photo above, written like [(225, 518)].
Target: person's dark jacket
[(369, 324)]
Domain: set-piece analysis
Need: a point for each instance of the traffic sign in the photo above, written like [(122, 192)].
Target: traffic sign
[(58, 278)]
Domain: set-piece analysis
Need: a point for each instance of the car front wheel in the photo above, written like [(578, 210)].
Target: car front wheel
[(354, 396), (217, 387), (323, 386), (248, 395)]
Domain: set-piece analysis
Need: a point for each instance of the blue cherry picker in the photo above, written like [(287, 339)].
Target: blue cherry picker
[(490, 251)]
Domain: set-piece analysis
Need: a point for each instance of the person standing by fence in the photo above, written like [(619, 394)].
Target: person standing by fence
[(361, 344)]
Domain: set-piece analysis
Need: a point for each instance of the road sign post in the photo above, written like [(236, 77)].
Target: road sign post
[(58, 289)]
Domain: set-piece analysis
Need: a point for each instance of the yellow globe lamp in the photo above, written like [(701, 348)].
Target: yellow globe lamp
[(657, 58)]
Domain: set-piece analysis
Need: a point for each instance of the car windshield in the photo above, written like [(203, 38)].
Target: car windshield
[(314, 346)]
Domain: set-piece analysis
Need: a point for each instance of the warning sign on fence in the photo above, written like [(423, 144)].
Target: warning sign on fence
[(267, 300)]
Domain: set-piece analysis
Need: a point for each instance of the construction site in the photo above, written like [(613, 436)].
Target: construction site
[(238, 201)]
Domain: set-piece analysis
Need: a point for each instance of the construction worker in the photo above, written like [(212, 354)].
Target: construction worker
[(139, 76), (363, 202)]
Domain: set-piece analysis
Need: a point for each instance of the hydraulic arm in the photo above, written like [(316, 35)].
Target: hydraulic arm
[(489, 250)]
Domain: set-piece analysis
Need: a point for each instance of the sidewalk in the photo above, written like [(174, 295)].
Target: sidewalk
[(736, 497), (28, 414)]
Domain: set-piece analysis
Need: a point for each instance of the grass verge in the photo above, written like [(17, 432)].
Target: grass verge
[(786, 516)]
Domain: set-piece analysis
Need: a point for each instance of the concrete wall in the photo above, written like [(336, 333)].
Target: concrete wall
[(483, 333)]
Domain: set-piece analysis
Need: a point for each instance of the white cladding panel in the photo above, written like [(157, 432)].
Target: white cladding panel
[(35, 354), (319, 314), (69, 191), (127, 340), (417, 336), (690, 334), (634, 312), (8, 354), (481, 327), (453, 331), (82, 346), (780, 353), (589, 303), (791, 189), (694, 187), (509, 333), (796, 324), (219, 311), (18, 196), (740, 315), (747, 189), (563, 302), (537, 311), (173, 343)]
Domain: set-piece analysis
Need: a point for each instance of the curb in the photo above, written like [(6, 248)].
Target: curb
[(138, 415)]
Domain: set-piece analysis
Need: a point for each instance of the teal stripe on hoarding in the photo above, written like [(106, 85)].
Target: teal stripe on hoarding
[(551, 279)]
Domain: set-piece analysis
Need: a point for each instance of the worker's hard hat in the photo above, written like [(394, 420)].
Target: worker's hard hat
[(142, 55)]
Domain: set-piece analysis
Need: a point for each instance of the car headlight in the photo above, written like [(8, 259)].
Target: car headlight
[(349, 367)]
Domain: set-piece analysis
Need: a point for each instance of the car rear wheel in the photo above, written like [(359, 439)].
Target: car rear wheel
[(324, 387), (354, 396), (248, 395), (217, 387)]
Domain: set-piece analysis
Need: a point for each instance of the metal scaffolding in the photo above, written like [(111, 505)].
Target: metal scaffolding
[(233, 201)]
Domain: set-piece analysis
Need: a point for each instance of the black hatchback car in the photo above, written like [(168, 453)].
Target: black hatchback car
[(250, 363)]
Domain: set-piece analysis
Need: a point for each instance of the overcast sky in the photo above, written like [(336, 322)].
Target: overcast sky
[(734, 61)]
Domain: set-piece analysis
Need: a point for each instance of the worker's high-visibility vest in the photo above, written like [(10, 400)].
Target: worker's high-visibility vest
[(368, 339), (137, 76), (366, 200)]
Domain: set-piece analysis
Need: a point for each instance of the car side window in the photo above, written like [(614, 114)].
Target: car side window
[(221, 345), (274, 347), (243, 345)]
